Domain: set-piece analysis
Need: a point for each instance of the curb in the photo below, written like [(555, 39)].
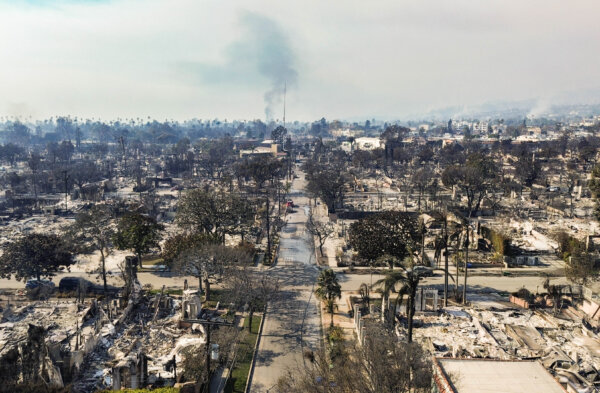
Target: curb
[(251, 373)]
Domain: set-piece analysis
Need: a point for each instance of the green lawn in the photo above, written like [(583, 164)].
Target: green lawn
[(239, 375), (216, 295)]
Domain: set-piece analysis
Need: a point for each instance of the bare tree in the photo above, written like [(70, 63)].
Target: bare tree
[(209, 262), (322, 230), (381, 364), (94, 230), (251, 289)]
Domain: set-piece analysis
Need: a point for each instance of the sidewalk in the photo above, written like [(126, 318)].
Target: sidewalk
[(220, 376), (341, 318)]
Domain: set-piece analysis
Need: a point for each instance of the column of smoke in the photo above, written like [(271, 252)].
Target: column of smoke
[(275, 59)]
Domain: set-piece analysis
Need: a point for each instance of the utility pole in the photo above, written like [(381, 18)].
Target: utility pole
[(208, 324), (268, 223), (122, 142), (284, 94), (66, 178)]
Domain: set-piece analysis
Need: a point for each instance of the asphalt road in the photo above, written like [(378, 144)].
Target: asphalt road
[(351, 282), (157, 280), (292, 323)]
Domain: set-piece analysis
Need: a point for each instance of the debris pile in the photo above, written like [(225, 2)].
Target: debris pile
[(47, 340), (565, 346)]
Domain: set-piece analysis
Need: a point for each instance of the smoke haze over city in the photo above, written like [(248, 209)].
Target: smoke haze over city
[(132, 58)]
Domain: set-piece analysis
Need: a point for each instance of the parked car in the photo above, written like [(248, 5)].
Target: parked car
[(423, 271), (72, 284), (39, 289)]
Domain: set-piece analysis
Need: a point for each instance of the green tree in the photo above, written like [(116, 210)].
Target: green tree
[(390, 233), (220, 213), (137, 233), (35, 255), (278, 134), (178, 244), (594, 183), (328, 290)]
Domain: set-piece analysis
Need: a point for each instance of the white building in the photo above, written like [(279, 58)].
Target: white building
[(347, 132), (480, 127), (368, 143)]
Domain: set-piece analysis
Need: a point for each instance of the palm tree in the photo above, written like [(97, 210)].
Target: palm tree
[(464, 228), (449, 230), (328, 289), (387, 286), (410, 281)]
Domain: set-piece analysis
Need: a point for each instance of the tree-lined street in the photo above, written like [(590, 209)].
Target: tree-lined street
[(292, 322)]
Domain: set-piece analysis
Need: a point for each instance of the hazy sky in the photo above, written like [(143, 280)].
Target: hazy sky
[(341, 59)]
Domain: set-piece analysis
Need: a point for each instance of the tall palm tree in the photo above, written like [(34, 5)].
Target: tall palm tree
[(450, 230), (387, 286), (410, 281), (328, 290), (462, 236)]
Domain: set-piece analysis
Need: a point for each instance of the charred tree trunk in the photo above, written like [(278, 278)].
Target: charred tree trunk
[(206, 289), (411, 310), (464, 295), (103, 262)]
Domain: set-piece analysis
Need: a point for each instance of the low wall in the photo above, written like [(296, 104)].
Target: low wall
[(519, 302)]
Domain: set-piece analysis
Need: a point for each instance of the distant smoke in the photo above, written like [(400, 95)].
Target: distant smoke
[(542, 107), (275, 58), (19, 110), (263, 51)]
